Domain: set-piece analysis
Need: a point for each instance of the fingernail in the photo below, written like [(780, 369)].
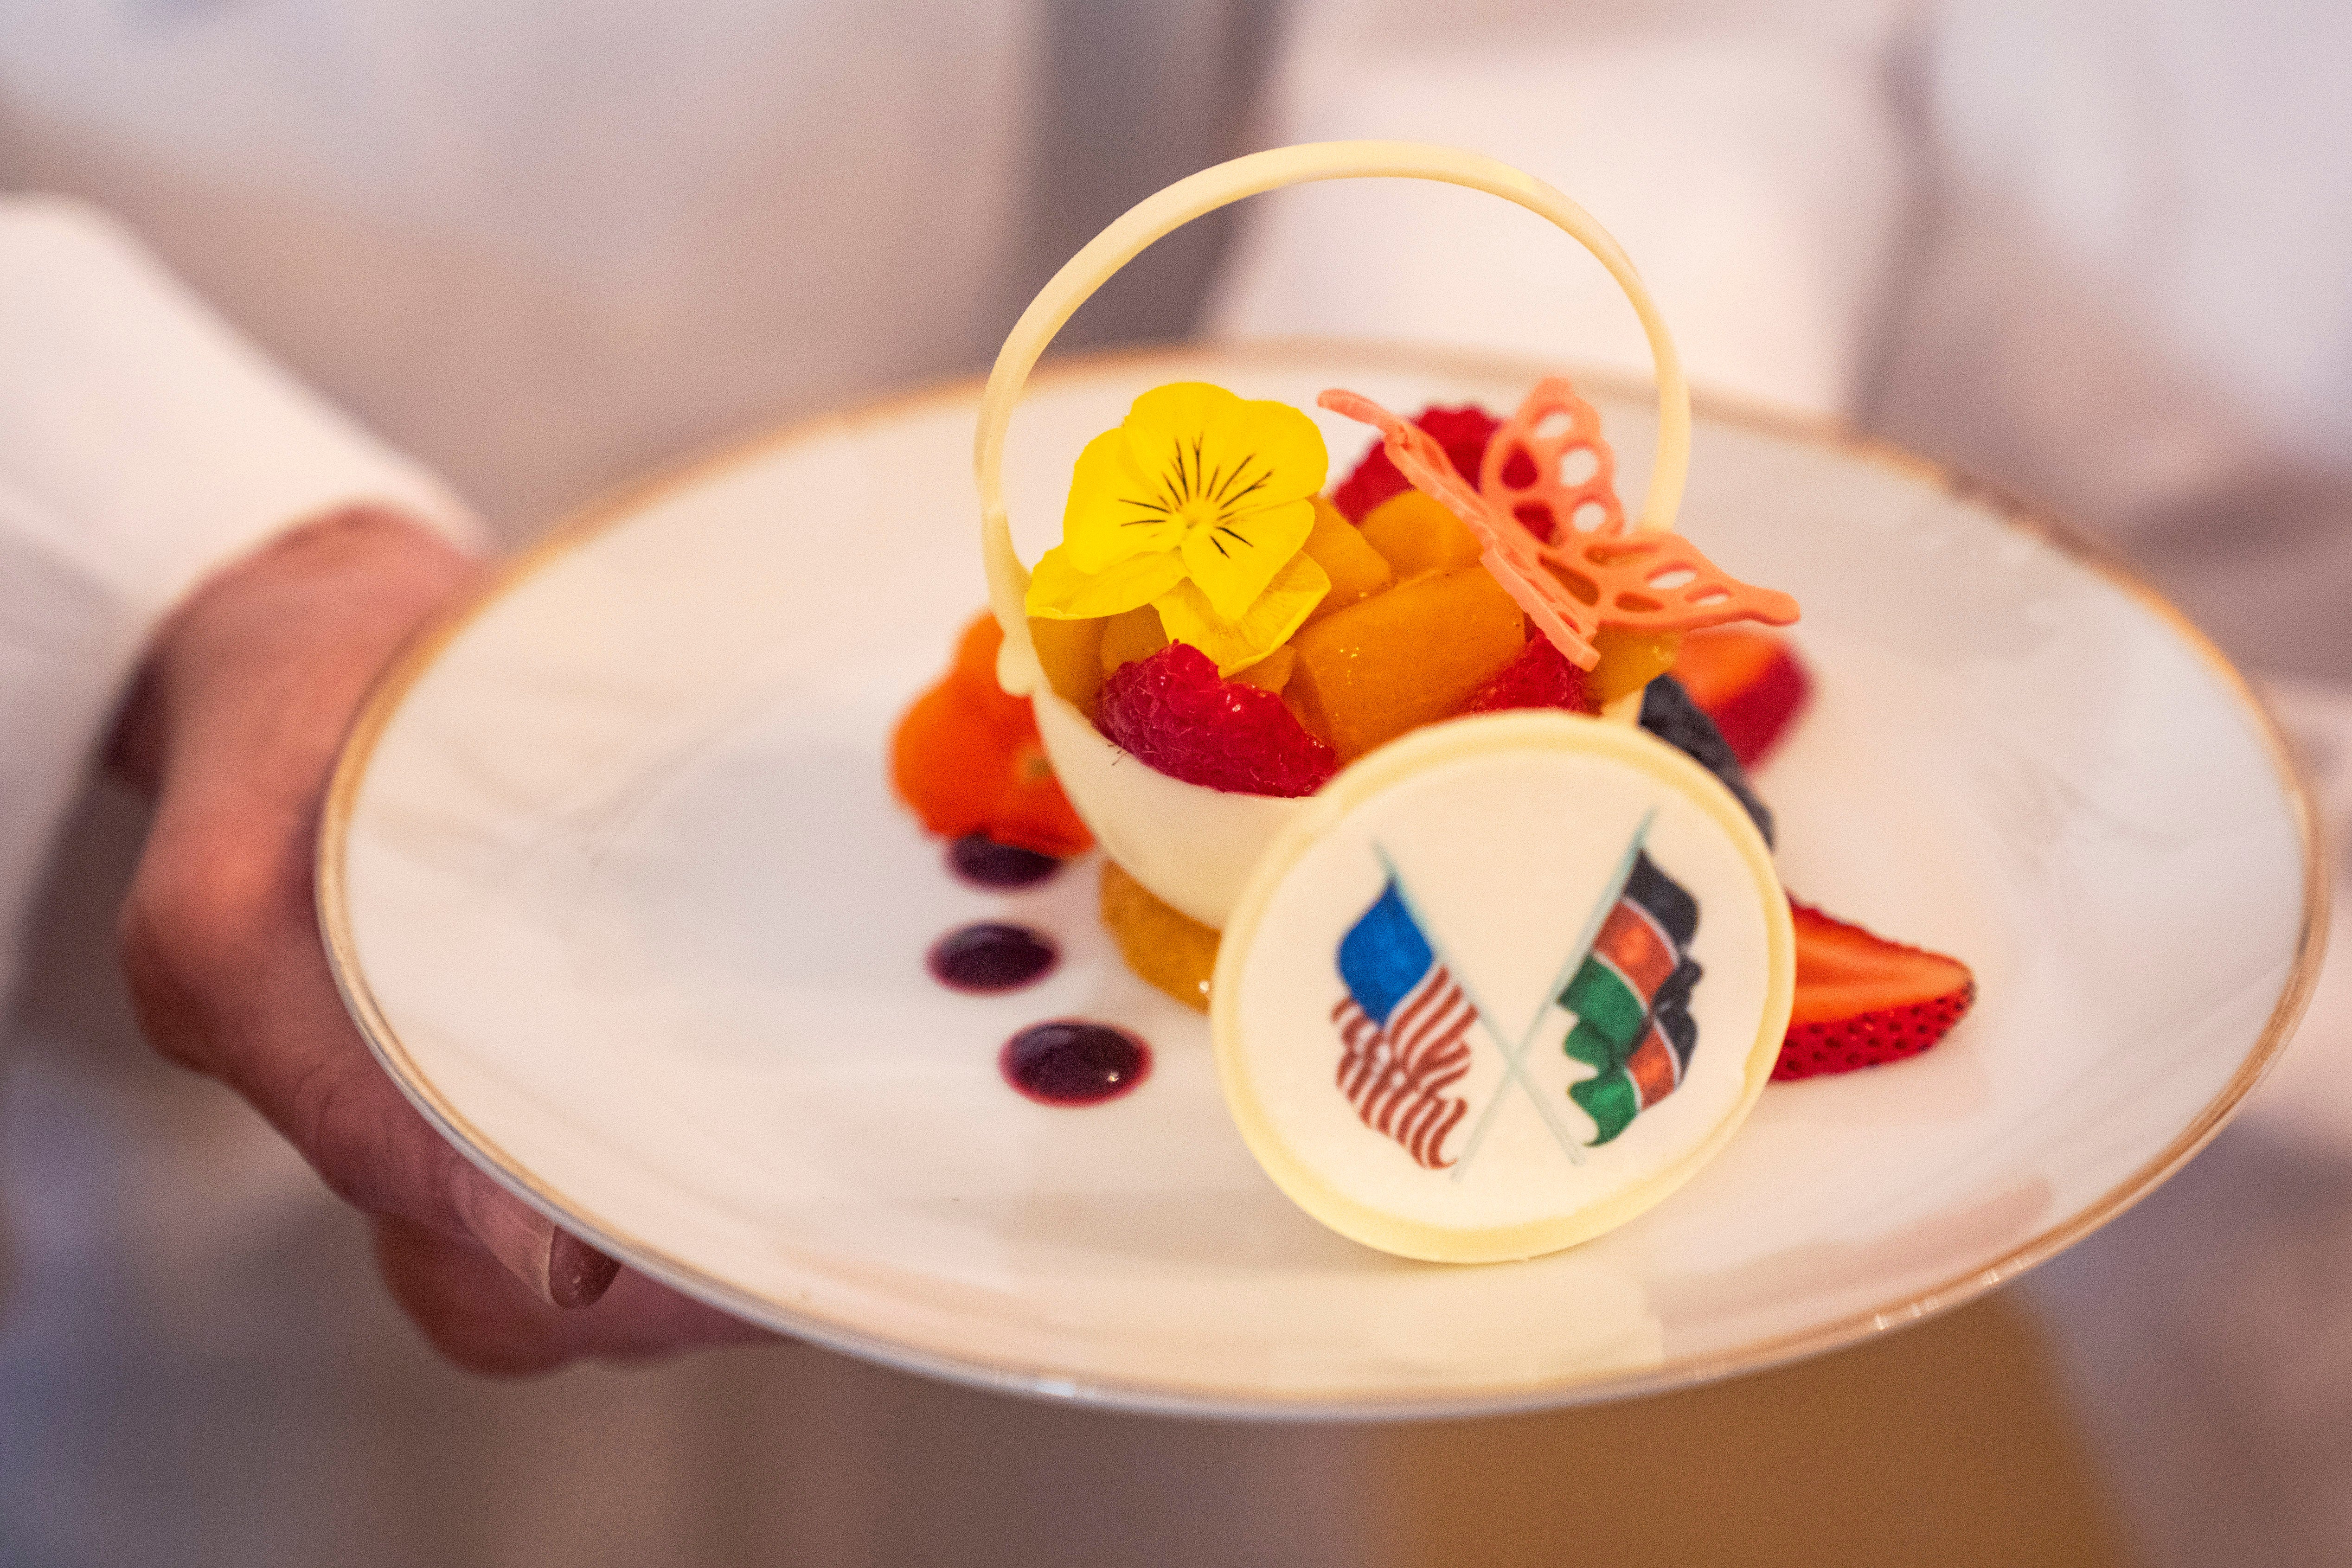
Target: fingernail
[(577, 1274), (552, 1264)]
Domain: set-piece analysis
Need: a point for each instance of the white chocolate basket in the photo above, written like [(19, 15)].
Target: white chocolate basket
[(1194, 846)]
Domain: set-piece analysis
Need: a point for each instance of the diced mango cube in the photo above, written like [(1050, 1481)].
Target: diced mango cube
[(1071, 651), (1629, 659), (1402, 659), (1136, 634), (1272, 672), (1416, 534), (1166, 947), (1357, 570)]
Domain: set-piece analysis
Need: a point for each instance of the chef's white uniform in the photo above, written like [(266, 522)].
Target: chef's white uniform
[(536, 246)]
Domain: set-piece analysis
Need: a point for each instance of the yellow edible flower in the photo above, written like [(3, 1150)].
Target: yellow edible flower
[(1198, 504)]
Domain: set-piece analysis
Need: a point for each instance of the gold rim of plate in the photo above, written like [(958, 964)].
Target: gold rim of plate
[(424, 647)]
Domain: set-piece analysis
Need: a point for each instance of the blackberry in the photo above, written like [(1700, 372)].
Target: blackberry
[(1668, 713)]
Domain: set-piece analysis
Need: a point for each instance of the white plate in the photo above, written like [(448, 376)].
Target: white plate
[(615, 887)]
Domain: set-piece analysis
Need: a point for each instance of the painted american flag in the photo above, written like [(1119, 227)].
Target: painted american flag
[(1403, 1029)]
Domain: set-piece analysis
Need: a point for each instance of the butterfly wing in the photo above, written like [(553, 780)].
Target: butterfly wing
[(1511, 553), (1550, 470)]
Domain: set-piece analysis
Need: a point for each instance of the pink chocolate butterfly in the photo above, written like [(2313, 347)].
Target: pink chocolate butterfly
[(1558, 546)]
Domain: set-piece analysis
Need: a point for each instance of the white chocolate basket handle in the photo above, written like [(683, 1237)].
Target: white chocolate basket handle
[(1008, 581)]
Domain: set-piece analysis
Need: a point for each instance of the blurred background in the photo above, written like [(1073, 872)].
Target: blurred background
[(2095, 252)]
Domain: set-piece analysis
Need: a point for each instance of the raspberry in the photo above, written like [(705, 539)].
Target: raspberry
[(1541, 676), (1463, 431), (1172, 712)]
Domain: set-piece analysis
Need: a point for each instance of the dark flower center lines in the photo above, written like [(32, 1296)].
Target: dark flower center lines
[(1189, 486)]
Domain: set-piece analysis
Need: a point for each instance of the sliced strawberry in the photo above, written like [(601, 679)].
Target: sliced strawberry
[(1863, 1000), (1749, 682), (1538, 676), (1172, 711), (1463, 431)]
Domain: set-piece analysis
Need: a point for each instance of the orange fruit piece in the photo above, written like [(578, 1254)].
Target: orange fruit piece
[(1631, 659), (967, 759), (1164, 946), (1272, 673), (1071, 653), (1129, 636), (1357, 570), (1403, 659), (1416, 533)]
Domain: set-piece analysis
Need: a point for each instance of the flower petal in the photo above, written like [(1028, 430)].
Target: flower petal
[(1262, 454), (1194, 483), (1178, 411), (1058, 591), (1234, 560), (1236, 645), (1117, 509)]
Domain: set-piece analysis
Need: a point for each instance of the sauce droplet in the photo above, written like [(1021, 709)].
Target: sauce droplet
[(977, 858), (1070, 1063), (992, 956)]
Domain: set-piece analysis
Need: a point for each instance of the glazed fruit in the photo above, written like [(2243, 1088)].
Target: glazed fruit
[(967, 758), (1541, 676), (1357, 570), (1750, 683), (1131, 635), (1463, 433), (1272, 673), (1668, 713), (1071, 654), (1172, 712), (1629, 659), (1170, 950), (1404, 658), (1863, 1001), (1417, 534)]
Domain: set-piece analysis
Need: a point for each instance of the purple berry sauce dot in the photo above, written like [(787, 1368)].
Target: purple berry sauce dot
[(1071, 1062), (977, 858), (991, 955)]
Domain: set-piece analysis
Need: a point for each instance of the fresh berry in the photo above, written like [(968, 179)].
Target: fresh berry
[(1463, 431), (967, 758), (1668, 713), (1541, 676), (1863, 1000), (1750, 683), (1172, 711)]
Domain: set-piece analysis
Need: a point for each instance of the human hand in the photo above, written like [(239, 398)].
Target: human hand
[(234, 726)]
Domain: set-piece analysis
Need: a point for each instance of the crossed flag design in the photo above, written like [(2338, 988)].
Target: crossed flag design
[(1406, 1020)]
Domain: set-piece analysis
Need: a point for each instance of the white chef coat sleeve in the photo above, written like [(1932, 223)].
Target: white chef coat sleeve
[(143, 444)]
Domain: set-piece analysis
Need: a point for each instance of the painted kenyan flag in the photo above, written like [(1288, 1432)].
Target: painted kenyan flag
[(1632, 1000)]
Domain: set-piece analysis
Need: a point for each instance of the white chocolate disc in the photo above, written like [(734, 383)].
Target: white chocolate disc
[(1502, 986)]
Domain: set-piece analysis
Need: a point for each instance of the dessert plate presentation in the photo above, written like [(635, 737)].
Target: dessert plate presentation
[(613, 882)]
